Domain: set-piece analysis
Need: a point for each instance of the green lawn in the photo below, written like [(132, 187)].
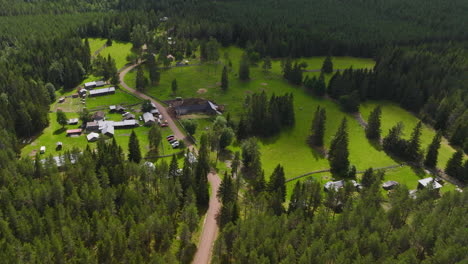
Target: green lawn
[(119, 52), (95, 44), (119, 97), (392, 114)]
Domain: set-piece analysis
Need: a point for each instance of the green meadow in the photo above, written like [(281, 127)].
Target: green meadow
[(95, 44), (119, 52)]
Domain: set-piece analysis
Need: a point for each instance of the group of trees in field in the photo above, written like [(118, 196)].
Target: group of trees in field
[(265, 117)]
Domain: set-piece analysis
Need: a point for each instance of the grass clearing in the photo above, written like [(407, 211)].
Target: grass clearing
[(95, 44), (119, 52)]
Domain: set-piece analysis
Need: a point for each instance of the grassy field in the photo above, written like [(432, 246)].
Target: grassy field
[(392, 114), (95, 44), (289, 148), (119, 97), (119, 52)]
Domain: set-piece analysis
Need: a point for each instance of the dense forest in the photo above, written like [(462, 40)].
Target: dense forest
[(99, 207)]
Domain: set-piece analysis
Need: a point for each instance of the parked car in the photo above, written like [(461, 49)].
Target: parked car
[(173, 141), (170, 136), (175, 144)]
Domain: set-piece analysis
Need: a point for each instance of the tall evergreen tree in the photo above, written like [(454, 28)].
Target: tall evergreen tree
[(277, 183), (338, 155), (244, 71), (373, 129), (266, 64), (173, 168), (433, 151), (174, 86), (134, 152), (154, 137), (201, 173), (224, 79), (327, 66), (226, 192), (413, 150), (140, 80), (454, 167), (318, 127)]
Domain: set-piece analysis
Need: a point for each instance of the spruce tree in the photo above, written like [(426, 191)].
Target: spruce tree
[(373, 129), (318, 127), (201, 173), (413, 151), (244, 71), (266, 64), (277, 183), (173, 168), (454, 166), (433, 151), (134, 152), (140, 80), (224, 79), (226, 192), (327, 66), (174, 86), (338, 155)]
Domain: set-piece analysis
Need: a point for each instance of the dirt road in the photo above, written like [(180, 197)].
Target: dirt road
[(210, 227)]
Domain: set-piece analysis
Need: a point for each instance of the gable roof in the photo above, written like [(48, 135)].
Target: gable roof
[(427, 181)]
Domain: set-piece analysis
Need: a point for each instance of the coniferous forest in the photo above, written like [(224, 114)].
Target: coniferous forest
[(100, 207)]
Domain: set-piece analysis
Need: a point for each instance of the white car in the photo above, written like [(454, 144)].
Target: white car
[(175, 144)]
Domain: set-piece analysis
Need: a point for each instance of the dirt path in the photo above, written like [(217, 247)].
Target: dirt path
[(210, 227)]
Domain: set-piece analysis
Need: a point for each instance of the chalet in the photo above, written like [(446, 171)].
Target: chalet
[(389, 185), (99, 115), (90, 85), (92, 127), (72, 121), (59, 146), (74, 132), (335, 185), (42, 149), (103, 91), (100, 83), (92, 137), (108, 131), (429, 182), (148, 118)]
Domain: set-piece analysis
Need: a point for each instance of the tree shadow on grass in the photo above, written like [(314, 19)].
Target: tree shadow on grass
[(376, 144), (60, 131)]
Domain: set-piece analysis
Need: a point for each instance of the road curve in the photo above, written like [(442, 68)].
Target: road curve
[(210, 227)]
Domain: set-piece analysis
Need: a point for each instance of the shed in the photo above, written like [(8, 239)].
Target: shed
[(42, 149), (72, 132), (99, 115), (100, 83), (61, 99), (103, 91), (59, 145), (429, 182), (92, 137), (73, 121), (90, 85), (389, 185), (148, 118), (112, 108), (128, 116)]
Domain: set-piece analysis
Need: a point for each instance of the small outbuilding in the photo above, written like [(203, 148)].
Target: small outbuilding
[(424, 183), (99, 115), (59, 146), (389, 185), (148, 118), (73, 121), (335, 185), (61, 99), (74, 132), (100, 83), (90, 85), (128, 116), (42, 149), (108, 131), (92, 137)]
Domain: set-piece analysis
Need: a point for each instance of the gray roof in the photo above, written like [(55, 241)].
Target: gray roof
[(92, 124), (334, 184), (125, 123), (425, 182), (73, 121), (100, 83), (102, 91), (108, 130), (148, 117), (92, 136)]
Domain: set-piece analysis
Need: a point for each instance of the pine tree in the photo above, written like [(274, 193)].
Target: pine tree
[(327, 66), (134, 152), (266, 64), (287, 69), (154, 74), (373, 129), (226, 192), (338, 155), (174, 86), (296, 198), (242, 129), (433, 151), (368, 178), (201, 173), (244, 71), (173, 168), (318, 127), (454, 166), (140, 80), (61, 118), (413, 150), (224, 79), (277, 183)]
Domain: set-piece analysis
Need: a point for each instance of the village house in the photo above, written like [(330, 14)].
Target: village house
[(92, 127), (389, 185), (92, 137), (73, 121), (103, 91), (74, 132), (148, 119), (427, 182), (99, 115)]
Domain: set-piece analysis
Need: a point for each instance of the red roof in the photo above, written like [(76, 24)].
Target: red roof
[(74, 131)]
